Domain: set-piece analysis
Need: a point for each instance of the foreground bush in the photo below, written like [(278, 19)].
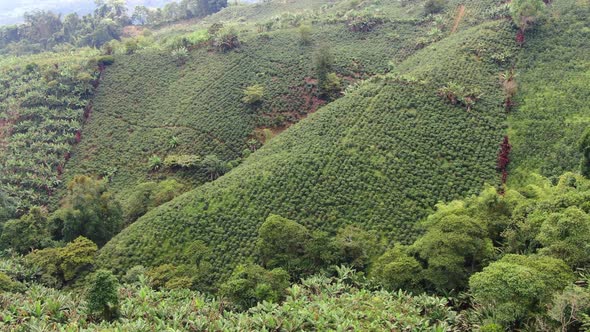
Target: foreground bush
[(317, 304)]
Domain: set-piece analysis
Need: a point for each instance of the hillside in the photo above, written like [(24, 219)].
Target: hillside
[(552, 107), (380, 157), (295, 165), (146, 98)]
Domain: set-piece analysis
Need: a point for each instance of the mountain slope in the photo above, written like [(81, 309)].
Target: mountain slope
[(553, 104), (380, 157), (147, 98)]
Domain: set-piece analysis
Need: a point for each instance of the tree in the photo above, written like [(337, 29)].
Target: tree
[(60, 266), (140, 15), (226, 39), (305, 34), (584, 147), (323, 61), (103, 297), (518, 286), (357, 247), (282, 243), (149, 195), (42, 27), (214, 166), (29, 232), (250, 284), (570, 307), (453, 247), (526, 12), (88, 210), (396, 269), (115, 10), (566, 235)]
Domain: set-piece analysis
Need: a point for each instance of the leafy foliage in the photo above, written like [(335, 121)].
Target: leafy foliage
[(60, 266), (318, 303), (88, 210), (103, 297), (29, 232), (517, 285), (252, 284)]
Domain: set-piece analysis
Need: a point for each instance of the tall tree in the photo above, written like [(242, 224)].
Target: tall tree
[(88, 210)]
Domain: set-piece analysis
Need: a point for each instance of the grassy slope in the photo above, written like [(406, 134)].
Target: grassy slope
[(380, 157), (554, 104), (145, 99)]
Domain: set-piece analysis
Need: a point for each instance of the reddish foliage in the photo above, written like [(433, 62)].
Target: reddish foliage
[(520, 37), (67, 156), (78, 136), (60, 170)]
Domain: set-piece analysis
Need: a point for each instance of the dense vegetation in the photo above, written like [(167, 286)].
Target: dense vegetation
[(42, 110), (552, 110), (347, 165), (46, 31), (379, 157), (519, 253), (193, 103)]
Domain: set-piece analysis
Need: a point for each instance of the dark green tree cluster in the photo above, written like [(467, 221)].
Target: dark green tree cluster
[(88, 210), (514, 252), (283, 243), (62, 266), (42, 30), (288, 251), (148, 195)]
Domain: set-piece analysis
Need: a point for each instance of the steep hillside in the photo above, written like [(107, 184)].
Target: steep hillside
[(148, 99), (553, 100), (380, 157)]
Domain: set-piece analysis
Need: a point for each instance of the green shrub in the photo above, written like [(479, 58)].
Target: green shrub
[(61, 266), (526, 12), (226, 39), (103, 295), (395, 270), (30, 232), (180, 55), (250, 284), (253, 94), (155, 163), (305, 34), (518, 286), (182, 161), (7, 285)]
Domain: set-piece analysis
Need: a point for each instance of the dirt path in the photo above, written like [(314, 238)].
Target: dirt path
[(458, 17)]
